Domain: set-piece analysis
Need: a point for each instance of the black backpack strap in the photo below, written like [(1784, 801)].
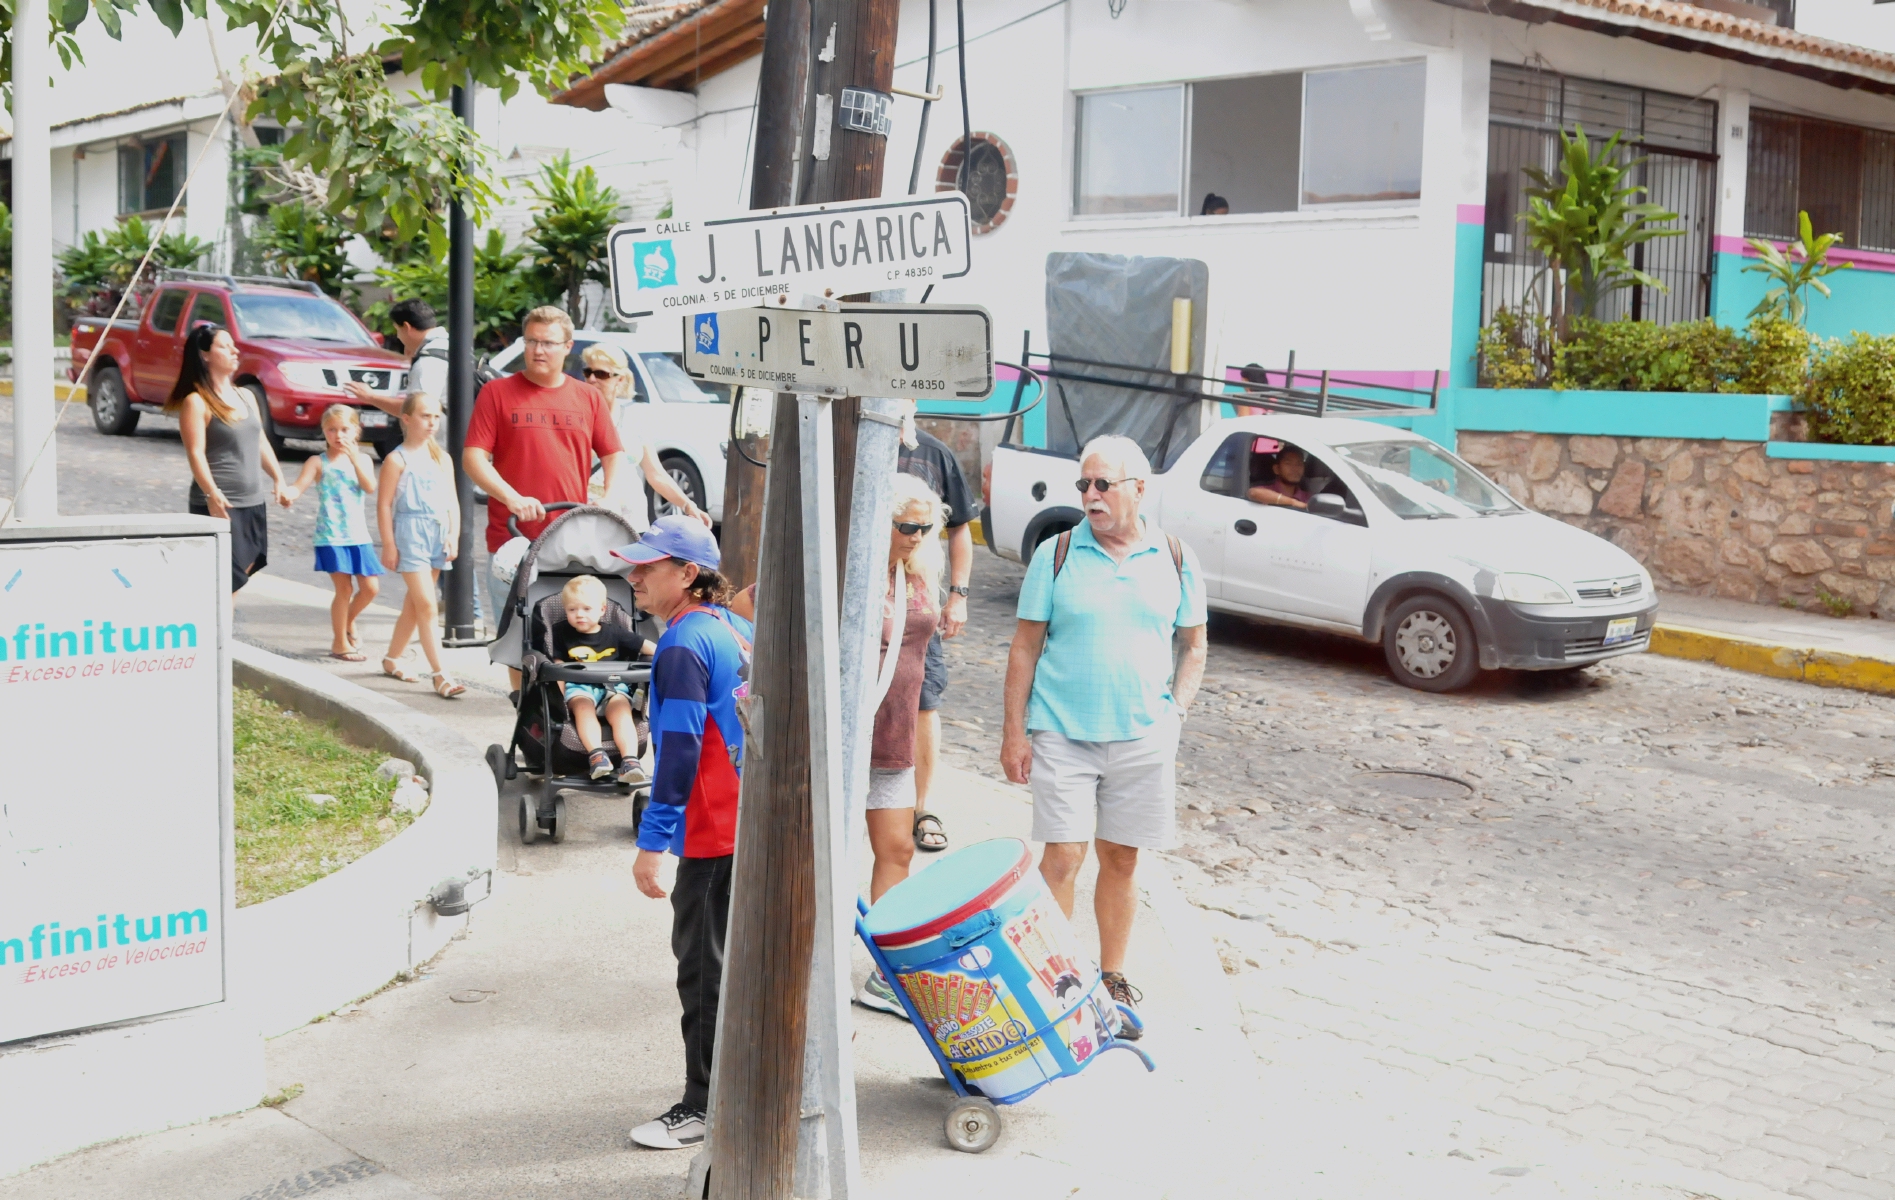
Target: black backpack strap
[(1060, 549)]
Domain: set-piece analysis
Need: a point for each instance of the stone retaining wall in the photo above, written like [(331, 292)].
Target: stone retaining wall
[(1713, 518)]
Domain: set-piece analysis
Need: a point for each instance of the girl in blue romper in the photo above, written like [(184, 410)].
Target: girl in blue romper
[(420, 524), (343, 550)]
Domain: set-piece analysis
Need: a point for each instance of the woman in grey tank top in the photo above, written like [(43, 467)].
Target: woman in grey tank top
[(234, 473)]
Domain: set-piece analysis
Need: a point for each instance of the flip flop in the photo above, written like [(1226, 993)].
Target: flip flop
[(394, 670), (925, 839), (349, 656)]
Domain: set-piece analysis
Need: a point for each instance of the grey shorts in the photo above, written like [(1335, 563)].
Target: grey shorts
[(420, 542), (933, 675), (1123, 792), (891, 788)]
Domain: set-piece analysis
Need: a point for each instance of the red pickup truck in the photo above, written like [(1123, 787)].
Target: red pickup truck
[(299, 348)]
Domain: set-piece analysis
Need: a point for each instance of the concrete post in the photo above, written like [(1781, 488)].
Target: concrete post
[(35, 455)]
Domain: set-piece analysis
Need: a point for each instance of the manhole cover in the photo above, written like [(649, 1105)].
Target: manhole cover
[(472, 996), (1416, 785)]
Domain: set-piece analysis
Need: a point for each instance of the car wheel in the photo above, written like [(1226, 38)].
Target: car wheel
[(277, 446), (1430, 645), (112, 411), (684, 473)]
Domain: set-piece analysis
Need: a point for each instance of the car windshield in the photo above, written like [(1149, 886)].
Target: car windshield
[(672, 383), (304, 318), (1421, 481)]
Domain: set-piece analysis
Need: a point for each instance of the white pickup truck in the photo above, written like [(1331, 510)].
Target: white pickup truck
[(1401, 543)]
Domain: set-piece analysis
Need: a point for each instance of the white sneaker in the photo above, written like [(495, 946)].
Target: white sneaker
[(876, 993), (679, 1127)]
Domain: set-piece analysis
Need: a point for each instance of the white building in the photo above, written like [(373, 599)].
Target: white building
[(1369, 150)]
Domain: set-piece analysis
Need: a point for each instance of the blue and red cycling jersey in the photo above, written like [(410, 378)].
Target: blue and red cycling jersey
[(698, 741)]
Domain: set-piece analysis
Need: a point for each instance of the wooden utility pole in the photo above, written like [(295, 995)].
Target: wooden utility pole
[(792, 760), (779, 118)]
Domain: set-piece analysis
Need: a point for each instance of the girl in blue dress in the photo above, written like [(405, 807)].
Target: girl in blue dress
[(343, 551), (420, 524)]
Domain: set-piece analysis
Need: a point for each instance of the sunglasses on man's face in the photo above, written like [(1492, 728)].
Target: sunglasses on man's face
[(596, 373), (1104, 485), (911, 528)]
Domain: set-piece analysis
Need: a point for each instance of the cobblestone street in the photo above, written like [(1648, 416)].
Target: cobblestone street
[(1645, 903)]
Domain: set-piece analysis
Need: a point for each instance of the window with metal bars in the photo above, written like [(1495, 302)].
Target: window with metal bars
[(1843, 176), (1677, 137)]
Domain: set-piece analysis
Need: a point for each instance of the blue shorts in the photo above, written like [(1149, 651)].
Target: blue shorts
[(597, 694), (420, 541), (348, 560)]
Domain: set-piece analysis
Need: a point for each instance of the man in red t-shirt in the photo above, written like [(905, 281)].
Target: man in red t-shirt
[(533, 435)]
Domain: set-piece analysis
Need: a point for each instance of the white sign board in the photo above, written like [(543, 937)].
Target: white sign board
[(682, 264), (111, 842), (918, 351)]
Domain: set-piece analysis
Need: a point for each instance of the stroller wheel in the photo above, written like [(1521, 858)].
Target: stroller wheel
[(973, 1125), (529, 821), (498, 764), (556, 828), (640, 799)]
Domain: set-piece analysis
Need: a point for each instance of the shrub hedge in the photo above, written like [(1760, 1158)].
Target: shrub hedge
[(1851, 392)]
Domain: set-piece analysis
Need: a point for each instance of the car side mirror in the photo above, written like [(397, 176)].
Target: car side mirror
[(1328, 504)]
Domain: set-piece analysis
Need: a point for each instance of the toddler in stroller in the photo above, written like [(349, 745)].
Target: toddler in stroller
[(579, 644)]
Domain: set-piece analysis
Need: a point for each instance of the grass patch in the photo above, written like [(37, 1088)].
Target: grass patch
[(283, 840)]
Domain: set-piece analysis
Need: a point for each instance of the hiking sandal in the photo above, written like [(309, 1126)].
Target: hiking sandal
[(930, 840)]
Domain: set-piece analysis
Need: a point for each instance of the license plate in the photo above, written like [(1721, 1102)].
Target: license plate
[(375, 418), (1622, 630)]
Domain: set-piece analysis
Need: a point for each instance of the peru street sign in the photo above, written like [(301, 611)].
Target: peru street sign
[(681, 265), (918, 351)]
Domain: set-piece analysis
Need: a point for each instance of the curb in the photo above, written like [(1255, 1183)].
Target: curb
[(1824, 668)]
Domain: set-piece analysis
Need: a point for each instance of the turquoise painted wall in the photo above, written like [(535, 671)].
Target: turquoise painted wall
[(1465, 339), (1862, 299)]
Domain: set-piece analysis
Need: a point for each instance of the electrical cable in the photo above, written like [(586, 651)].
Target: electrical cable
[(1011, 413), (85, 372), (996, 29), (737, 443), (967, 128), (921, 135)]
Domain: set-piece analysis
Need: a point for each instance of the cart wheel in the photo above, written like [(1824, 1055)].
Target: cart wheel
[(556, 828), (529, 821), (497, 763), (973, 1125)]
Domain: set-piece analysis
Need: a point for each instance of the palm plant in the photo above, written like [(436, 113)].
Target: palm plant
[(305, 242), (567, 238), (1795, 268), (100, 268), (1587, 223), (502, 292)]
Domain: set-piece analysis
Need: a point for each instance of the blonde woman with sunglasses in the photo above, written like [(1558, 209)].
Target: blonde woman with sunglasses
[(608, 369)]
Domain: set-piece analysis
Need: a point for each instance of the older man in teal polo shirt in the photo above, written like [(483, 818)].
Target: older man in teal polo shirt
[(1095, 697)]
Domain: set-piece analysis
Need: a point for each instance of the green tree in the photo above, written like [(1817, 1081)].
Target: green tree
[(1794, 268), (386, 162), (567, 239), (1586, 224), (304, 242), (101, 267), (503, 291)]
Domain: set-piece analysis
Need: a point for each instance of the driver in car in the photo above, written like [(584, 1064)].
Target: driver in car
[(1286, 489)]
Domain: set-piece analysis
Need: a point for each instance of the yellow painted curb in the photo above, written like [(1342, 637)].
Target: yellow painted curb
[(1825, 668), (62, 391)]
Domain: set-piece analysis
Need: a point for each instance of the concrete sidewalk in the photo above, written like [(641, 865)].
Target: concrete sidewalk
[(1846, 652), (515, 1063)]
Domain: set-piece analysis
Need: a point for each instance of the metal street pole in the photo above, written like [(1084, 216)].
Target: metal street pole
[(35, 458), (458, 585)]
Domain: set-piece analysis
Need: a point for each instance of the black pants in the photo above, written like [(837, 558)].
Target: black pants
[(700, 916)]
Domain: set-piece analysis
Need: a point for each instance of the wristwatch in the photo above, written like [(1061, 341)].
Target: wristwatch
[(958, 591)]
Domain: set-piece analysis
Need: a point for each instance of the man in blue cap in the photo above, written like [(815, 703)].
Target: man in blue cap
[(700, 671)]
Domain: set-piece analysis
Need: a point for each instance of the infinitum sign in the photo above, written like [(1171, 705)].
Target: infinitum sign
[(112, 889), (680, 265)]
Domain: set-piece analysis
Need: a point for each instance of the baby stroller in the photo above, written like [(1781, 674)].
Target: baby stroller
[(578, 541)]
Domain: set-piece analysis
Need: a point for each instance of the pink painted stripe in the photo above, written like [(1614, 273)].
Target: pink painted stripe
[(1470, 214), (1867, 260)]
